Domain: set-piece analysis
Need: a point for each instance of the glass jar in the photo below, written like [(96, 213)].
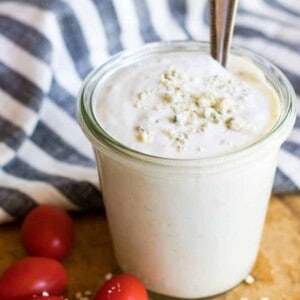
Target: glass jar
[(188, 228)]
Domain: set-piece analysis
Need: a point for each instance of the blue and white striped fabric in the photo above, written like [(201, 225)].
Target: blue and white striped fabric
[(47, 47)]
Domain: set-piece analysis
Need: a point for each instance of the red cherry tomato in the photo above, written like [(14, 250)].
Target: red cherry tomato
[(122, 287), (32, 276), (48, 231), (46, 298)]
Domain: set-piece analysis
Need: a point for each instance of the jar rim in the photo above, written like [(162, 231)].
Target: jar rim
[(97, 135)]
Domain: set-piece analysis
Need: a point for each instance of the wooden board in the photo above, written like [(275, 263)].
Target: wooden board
[(277, 270)]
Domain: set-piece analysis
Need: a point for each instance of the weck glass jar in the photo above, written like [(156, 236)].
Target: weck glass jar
[(189, 228)]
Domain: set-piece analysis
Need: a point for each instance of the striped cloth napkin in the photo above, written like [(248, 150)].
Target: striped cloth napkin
[(49, 46)]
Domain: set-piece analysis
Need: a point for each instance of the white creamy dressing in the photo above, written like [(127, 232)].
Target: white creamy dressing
[(186, 105), (187, 232)]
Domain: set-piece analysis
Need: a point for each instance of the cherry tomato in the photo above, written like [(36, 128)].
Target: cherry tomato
[(32, 276), (46, 298), (48, 231), (122, 287)]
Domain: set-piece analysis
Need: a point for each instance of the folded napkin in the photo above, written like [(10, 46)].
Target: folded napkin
[(49, 46)]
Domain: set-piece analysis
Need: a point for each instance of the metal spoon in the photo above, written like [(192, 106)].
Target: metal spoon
[(222, 19)]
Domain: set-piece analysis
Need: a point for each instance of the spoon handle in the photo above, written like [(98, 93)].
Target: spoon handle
[(222, 19)]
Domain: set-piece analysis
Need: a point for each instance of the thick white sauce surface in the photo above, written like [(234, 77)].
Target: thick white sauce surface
[(186, 105)]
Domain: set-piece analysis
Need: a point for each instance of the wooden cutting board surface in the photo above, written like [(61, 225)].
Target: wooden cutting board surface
[(276, 273)]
